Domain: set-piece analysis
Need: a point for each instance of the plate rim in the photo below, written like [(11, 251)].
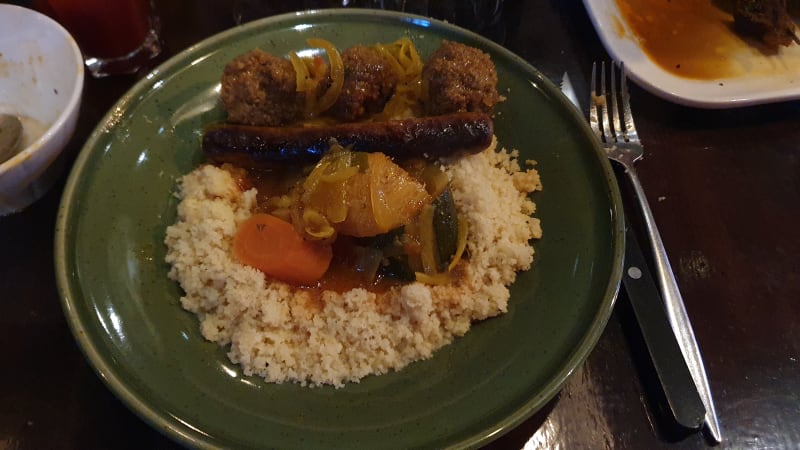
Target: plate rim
[(603, 12), (182, 432)]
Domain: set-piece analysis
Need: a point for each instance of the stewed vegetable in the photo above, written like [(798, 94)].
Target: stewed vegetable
[(366, 196)]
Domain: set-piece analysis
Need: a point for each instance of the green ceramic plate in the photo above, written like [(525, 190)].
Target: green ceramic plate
[(125, 314)]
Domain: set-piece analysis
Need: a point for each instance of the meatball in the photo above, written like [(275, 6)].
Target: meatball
[(767, 20), (260, 89), (369, 82), (459, 78)]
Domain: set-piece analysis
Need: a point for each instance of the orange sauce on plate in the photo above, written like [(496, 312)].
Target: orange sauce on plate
[(688, 38)]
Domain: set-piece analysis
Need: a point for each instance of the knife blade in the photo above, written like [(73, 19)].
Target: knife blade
[(676, 380), (569, 91)]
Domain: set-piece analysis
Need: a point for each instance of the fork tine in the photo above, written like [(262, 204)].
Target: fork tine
[(604, 104), (593, 104), (619, 135), (630, 128)]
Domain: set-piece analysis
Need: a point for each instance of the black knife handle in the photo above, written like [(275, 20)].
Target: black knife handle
[(648, 307)]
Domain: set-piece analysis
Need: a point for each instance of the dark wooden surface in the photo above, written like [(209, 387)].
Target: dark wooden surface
[(725, 190)]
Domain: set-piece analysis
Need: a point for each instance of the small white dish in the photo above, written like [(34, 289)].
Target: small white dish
[(768, 78), (41, 80)]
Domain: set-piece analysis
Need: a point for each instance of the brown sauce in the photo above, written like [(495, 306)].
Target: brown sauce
[(343, 276), (688, 38), (268, 183)]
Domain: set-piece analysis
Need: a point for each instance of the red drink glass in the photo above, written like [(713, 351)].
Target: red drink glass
[(116, 37)]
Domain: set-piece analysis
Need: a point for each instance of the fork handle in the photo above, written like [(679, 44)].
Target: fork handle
[(676, 311)]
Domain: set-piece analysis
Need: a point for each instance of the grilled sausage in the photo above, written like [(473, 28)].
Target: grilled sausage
[(430, 137)]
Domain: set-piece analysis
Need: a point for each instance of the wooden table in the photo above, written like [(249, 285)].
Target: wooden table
[(725, 190)]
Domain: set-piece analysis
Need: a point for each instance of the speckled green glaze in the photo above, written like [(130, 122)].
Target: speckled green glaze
[(125, 312)]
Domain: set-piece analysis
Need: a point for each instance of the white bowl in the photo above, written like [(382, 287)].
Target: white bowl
[(41, 78)]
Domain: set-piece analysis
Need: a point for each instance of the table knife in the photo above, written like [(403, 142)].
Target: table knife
[(676, 380)]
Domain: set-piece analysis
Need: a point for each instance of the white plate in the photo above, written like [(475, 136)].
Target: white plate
[(762, 78)]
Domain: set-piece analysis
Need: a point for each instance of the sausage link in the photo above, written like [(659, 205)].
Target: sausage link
[(429, 137)]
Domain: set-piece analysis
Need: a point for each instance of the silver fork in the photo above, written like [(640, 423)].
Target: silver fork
[(621, 143)]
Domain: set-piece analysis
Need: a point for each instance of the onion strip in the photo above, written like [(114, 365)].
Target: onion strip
[(330, 96), (310, 72), (463, 229), (301, 72), (402, 56)]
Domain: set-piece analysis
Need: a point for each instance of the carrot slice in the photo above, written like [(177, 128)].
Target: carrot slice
[(274, 247)]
